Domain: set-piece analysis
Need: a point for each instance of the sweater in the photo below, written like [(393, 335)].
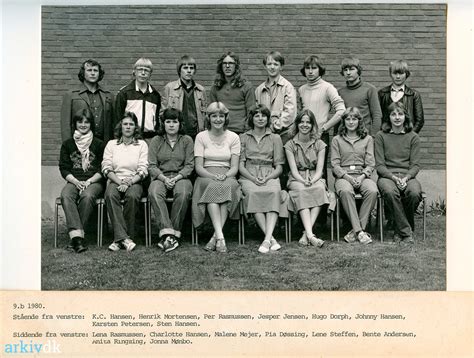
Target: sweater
[(70, 159)]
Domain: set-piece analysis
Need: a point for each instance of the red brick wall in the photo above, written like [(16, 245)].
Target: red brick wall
[(117, 35)]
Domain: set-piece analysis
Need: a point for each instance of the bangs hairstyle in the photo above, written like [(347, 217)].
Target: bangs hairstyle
[(399, 107), (185, 60), (313, 60), (353, 112), (84, 113), (399, 66), (259, 108), (118, 127), (350, 61), (90, 62), (220, 80), (293, 131), (143, 62), (171, 113), (276, 55), (216, 107)]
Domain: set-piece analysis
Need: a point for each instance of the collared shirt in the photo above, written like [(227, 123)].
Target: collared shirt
[(267, 151), (171, 161), (280, 98), (125, 160), (96, 107), (397, 93), (352, 156), (306, 154)]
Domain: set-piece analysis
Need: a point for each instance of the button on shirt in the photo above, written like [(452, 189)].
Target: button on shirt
[(352, 156), (96, 107)]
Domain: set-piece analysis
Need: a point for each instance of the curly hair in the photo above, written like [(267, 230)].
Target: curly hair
[(237, 80), (171, 113), (84, 113), (118, 127), (294, 130), (259, 108), (353, 112), (90, 62), (400, 107)]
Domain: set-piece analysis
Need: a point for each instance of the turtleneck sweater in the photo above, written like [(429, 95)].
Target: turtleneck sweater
[(320, 97), (364, 96)]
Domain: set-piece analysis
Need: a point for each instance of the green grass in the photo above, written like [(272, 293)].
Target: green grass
[(337, 266)]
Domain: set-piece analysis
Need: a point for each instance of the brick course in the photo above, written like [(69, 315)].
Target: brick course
[(117, 35)]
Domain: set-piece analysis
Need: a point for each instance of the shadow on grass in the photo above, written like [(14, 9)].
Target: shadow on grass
[(336, 266)]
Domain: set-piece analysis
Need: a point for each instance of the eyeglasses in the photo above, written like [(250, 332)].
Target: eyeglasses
[(228, 63)]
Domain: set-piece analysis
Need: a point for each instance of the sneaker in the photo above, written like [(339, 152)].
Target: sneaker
[(128, 244), (115, 246), (364, 238), (220, 245), (315, 241), (350, 237), (211, 245), (397, 238), (161, 244), (303, 240), (408, 240), (264, 247), (275, 246), (170, 244)]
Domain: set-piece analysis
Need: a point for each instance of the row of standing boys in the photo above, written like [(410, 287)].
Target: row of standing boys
[(263, 134)]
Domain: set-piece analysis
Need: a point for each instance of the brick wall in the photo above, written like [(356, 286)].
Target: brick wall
[(117, 35)]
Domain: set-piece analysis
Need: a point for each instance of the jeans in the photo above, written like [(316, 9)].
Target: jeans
[(182, 193), (123, 221), (78, 207), (401, 203), (346, 193)]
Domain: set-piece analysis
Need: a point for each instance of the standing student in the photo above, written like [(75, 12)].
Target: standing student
[(398, 91), (186, 96), (140, 98), (278, 95), (360, 94), (231, 89), (89, 96)]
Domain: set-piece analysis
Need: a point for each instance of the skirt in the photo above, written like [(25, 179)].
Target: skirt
[(307, 197), (207, 191), (264, 198)]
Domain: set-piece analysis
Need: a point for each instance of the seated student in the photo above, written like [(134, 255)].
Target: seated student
[(216, 153), (360, 94), (187, 96), (79, 163), (398, 91), (278, 95), (261, 160), (397, 158), (352, 161), (307, 189), (125, 165), (171, 162)]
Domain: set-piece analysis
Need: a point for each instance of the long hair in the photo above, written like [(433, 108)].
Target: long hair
[(353, 112), (399, 66), (313, 60), (90, 62), (397, 106), (216, 107), (237, 80), (259, 108), (294, 130), (84, 113), (171, 113), (118, 127), (350, 61)]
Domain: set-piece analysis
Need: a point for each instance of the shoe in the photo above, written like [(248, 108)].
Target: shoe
[(211, 245), (350, 237), (315, 241), (77, 244), (397, 238), (115, 246), (408, 240), (128, 244), (170, 243), (264, 247), (220, 246), (303, 241), (364, 238), (161, 244), (275, 246)]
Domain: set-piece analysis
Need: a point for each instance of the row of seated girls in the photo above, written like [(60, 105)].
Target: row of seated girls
[(230, 168)]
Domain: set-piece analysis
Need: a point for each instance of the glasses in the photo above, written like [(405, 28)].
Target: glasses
[(228, 64)]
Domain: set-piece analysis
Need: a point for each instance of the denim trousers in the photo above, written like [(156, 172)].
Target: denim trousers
[(123, 220), (79, 206), (346, 193), (181, 194), (402, 204)]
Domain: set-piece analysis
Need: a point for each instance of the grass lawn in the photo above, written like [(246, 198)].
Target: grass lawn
[(337, 266)]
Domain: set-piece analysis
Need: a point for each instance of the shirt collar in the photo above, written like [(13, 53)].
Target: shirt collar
[(310, 142), (85, 89), (351, 140), (268, 131), (278, 82), (401, 132), (150, 89), (393, 88)]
